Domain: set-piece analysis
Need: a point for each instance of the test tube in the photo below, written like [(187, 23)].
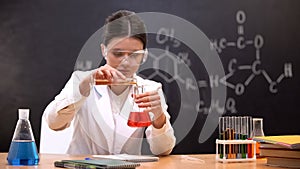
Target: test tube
[(221, 135), (227, 137), (250, 122), (232, 136), (237, 123), (244, 136), (127, 81), (250, 147)]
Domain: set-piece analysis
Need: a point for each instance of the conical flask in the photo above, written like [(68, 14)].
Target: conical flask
[(257, 127), (137, 116), (257, 131), (23, 150)]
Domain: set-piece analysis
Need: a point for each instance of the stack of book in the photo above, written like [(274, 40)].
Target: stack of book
[(283, 151)]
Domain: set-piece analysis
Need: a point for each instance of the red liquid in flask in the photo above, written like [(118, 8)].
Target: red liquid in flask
[(139, 119)]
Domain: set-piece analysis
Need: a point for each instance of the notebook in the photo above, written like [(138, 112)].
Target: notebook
[(289, 141), (128, 157), (284, 153), (95, 164)]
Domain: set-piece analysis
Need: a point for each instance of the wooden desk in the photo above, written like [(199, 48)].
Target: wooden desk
[(206, 161)]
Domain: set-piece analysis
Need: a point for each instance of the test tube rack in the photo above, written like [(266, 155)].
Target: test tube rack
[(227, 155)]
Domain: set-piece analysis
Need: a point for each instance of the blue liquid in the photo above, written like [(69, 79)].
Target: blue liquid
[(23, 153)]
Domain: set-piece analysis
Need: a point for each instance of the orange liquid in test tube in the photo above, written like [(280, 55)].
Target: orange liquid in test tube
[(121, 82)]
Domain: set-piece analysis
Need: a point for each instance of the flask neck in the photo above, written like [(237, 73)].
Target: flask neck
[(24, 114)]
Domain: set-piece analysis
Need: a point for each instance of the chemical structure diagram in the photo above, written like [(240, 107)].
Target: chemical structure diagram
[(175, 60), (233, 66)]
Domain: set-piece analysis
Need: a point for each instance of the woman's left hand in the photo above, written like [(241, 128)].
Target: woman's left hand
[(151, 102)]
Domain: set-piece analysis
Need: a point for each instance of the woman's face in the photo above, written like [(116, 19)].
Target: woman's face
[(124, 54)]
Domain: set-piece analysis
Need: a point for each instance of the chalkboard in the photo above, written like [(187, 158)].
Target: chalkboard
[(258, 43)]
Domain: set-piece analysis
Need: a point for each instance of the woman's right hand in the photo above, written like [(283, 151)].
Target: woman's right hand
[(105, 73)]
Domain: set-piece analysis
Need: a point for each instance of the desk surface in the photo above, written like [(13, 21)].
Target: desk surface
[(206, 161)]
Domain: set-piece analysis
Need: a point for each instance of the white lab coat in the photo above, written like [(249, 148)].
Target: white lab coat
[(96, 129)]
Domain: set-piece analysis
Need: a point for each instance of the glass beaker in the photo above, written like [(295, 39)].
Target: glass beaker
[(137, 116), (257, 131), (23, 150)]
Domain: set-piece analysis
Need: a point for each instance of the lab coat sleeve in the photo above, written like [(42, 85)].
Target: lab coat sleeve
[(60, 112), (161, 141)]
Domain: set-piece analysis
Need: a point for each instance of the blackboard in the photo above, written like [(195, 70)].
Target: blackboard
[(258, 43)]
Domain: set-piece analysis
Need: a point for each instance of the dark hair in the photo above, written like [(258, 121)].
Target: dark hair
[(124, 23)]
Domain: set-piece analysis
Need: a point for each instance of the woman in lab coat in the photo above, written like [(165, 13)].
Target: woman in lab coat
[(100, 112)]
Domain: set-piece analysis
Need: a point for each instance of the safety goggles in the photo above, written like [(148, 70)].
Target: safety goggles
[(136, 57)]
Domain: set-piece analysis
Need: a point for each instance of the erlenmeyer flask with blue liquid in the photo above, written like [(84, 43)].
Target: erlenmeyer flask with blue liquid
[(23, 150)]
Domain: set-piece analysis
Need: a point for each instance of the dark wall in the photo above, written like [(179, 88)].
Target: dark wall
[(40, 42)]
